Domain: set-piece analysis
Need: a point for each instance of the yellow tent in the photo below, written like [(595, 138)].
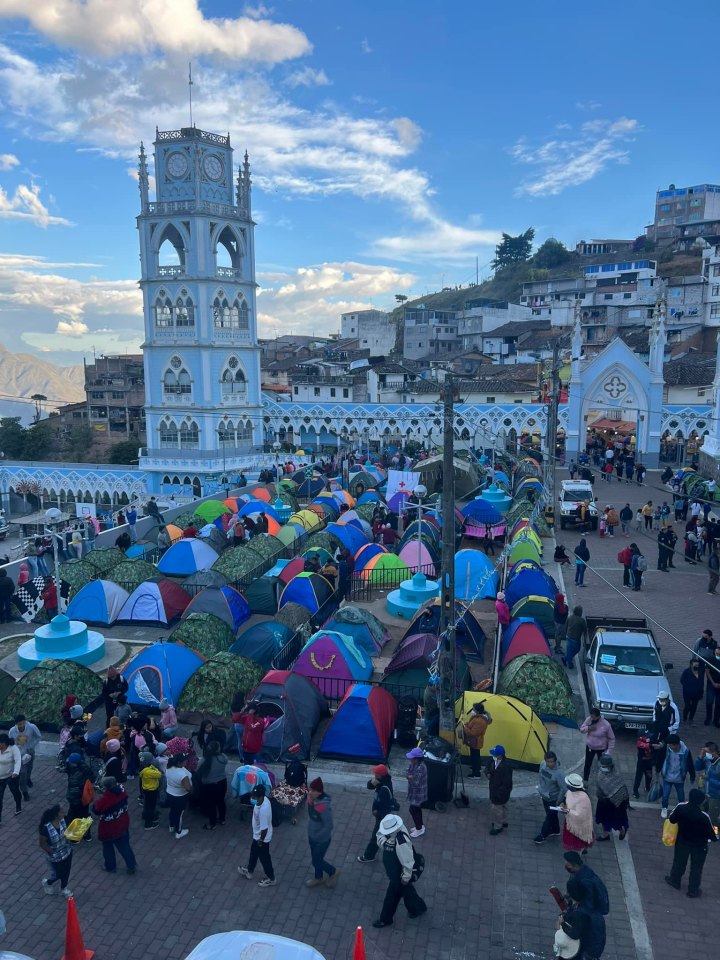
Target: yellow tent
[(514, 725), (527, 533), (306, 518), (523, 548)]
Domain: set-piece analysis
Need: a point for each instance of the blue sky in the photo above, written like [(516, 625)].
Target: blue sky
[(390, 142)]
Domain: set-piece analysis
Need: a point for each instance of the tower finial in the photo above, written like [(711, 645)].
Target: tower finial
[(190, 86), (143, 179)]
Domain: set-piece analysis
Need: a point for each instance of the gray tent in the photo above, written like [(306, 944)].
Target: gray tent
[(263, 594)]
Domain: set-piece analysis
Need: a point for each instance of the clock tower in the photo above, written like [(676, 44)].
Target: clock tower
[(202, 361)]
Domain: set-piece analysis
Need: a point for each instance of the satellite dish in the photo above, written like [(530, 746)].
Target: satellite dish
[(52, 515)]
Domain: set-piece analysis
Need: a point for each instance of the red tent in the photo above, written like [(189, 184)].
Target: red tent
[(523, 635)]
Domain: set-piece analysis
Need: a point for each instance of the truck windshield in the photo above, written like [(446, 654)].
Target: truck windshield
[(573, 496), (640, 661)]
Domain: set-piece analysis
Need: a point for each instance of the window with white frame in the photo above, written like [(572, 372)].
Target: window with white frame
[(232, 382), (163, 310), (176, 381), (184, 310), (189, 435), (168, 433), (244, 432)]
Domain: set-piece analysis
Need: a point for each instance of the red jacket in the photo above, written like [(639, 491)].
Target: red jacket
[(112, 808), (625, 557), (253, 729), (49, 596)]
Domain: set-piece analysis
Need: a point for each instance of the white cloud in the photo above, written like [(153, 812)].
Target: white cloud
[(8, 161), (108, 28), (563, 163), (308, 77), (365, 45), (440, 241), (25, 204), (72, 328)]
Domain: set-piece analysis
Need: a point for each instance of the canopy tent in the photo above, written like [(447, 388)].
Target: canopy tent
[(210, 690), (348, 535), (262, 642), (309, 486), (396, 503), (288, 534), (296, 707), (515, 725), (362, 727), (40, 693), (419, 557), (329, 659), (521, 523), (468, 475), (310, 590), (104, 559), (204, 578), (352, 614), (264, 546), (529, 485), (186, 557), (367, 480), (626, 427), (293, 615), (99, 601), (141, 550), (321, 553), (210, 536), (365, 511), (262, 595), (131, 573), (522, 635), (260, 493), (408, 670), (366, 553), (523, 549), (481, 511), (525, 583), (157, 600), (425, 527), (203, 633), (386, 569), (469, 634), (542, 683), (360, 633), (539, 608), (499, 476), (343, 498), (290, 569), (226, 603), (474, 571), (160, 670), (324, 538), (522, 565), (306, 519)]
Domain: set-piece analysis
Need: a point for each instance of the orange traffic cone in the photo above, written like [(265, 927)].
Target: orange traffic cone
[(359, 949), (74, 946)]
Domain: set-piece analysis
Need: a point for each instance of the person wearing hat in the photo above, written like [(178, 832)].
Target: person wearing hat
[(666, 714), (695, 831), (168, 720), (417, 789), (384, 803), (113, 766), (262, 832), (678, 764), (320, 829), (474, 735), (398, 859), (583, 927), (500, 787), (578, 827), (552, 789), (613, 800), (114, 825), (502, 610)]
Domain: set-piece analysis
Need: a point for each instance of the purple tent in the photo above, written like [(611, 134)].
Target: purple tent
[(413, 650), (333, 661)]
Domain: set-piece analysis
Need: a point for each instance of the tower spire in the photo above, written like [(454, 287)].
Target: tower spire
[(143, 179), (658, 338), (190, 86), (244, 188)]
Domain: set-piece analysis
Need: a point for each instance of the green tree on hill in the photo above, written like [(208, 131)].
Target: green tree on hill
[(512, 250), (552, 253)]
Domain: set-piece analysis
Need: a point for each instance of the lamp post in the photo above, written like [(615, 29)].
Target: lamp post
[(52, 516), (420, 493), (276, 450)]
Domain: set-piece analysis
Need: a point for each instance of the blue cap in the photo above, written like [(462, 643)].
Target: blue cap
[(498, 751), (73, 759)]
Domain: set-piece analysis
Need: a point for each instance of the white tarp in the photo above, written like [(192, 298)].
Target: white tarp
[(249, 945)]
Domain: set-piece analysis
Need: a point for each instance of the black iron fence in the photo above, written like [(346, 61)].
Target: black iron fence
[(365, 584), (291, 651), (335, 688)]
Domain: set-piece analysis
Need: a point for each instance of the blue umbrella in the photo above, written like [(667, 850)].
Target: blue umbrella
[(481, 511)]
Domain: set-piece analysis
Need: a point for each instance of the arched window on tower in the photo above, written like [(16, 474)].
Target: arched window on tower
[(226, 434), (171, 253), (227, 254), (240, 315), (184, 310), (189, 435), (221, 312), (233, 385), (177, 385), (168, 433), (244, 432), (163, 310)]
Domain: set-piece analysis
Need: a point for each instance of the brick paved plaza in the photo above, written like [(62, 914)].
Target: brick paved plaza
[(487, 897)]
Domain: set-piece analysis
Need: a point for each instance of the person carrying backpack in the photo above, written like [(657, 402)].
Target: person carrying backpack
[(384, 803), (638, 566), (625, 557), (402, 866)]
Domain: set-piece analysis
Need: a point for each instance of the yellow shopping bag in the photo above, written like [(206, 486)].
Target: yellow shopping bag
[(669, 833), (77, 828)]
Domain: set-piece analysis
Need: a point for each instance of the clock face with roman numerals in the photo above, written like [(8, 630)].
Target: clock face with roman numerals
[(177, 165), (213, 167)]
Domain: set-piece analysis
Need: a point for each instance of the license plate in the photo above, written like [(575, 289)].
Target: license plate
[(635, 726)]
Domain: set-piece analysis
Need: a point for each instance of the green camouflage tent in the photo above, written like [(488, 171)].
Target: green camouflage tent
[(264, 547), (76, 574), (204, 633), (365, 511), (131, 573), (523, 508), (213, 685), (353, 614), (41, 693), (105, 559), (323, 539), (7, 682), (293, 615), (541, 683), (237, 562)]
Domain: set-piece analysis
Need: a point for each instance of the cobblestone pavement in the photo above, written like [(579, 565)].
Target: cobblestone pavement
[(487, 897), (679, 601)]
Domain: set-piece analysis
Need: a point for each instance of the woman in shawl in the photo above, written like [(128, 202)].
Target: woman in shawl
[(578, 828), (612, 800), (502, 610), (560, 616)]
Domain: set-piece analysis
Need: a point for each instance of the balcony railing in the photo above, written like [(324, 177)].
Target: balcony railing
[(229, 273), (172, 271), (230, 333), (176, 333), (169, 208)]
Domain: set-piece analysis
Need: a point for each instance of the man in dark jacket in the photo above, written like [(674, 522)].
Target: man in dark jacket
[(670, 541), (7, 589), (320, 829), (114, 825), (398, 859), (695, 831), (383, 803), (112, 687), (501, 784), (78, 772)]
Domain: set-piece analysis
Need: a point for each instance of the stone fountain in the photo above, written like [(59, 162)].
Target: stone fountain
[(62, 639)]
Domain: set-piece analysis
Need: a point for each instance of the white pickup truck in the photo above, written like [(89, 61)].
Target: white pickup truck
[(573, 493)]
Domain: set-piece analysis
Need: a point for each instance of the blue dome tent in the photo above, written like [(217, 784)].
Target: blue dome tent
[(160, 670), (363, 725), (262, 642), (526, 583), (472, 567), (348, 535), (227, 603), (99, 601), (186, 557)]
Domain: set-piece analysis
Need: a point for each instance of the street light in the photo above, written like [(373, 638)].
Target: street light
[(52, 518), (277, 446), (420, 492)]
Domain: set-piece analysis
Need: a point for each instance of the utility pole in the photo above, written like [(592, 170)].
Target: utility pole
[(553, 421), (446, 663)]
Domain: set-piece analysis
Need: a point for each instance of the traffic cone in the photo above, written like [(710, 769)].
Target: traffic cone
[(74, 946), (359, 949)]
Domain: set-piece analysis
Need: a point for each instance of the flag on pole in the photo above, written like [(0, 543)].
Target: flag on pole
[(400, 481)]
